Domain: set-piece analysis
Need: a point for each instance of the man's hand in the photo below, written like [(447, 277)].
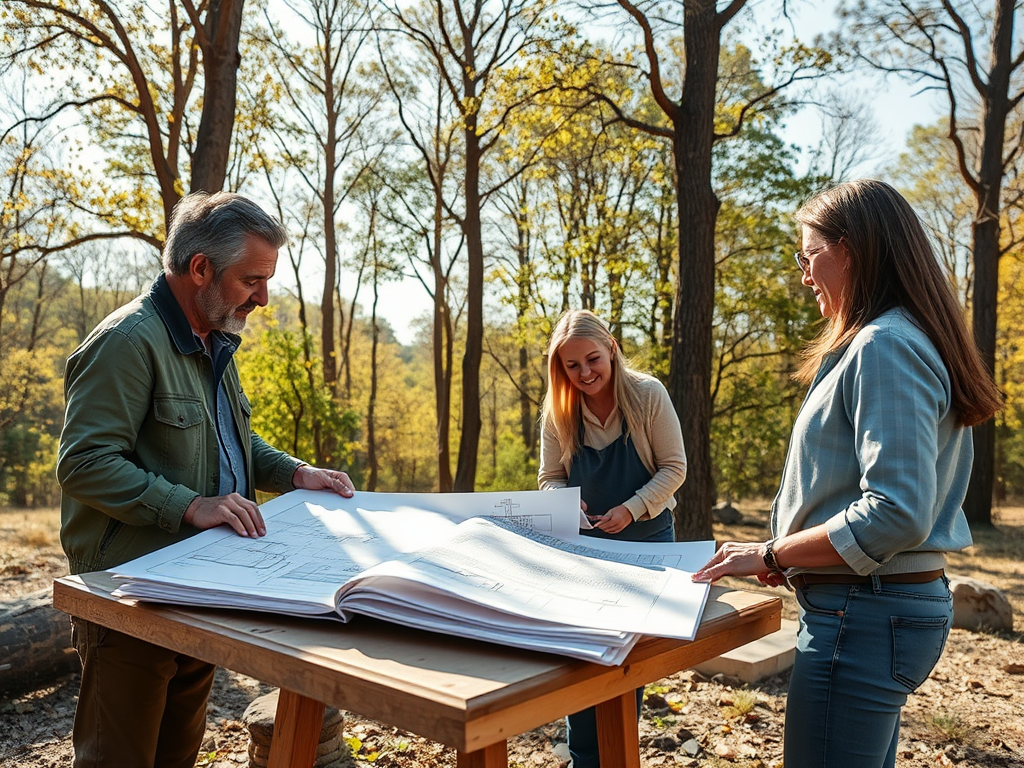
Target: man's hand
[(612, 521), (234, 509), (316, 479)]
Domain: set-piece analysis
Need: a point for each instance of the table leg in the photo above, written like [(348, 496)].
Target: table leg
[(494, 756), (297, 727), (618, 735)]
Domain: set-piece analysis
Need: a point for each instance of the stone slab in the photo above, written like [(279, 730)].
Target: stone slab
[(755, 661)]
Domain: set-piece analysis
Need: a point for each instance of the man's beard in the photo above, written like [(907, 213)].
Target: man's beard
[(219, 314)]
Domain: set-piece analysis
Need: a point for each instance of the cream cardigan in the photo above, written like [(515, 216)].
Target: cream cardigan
[(659, 445)]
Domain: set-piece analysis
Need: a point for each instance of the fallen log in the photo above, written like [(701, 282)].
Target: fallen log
[(35, 643)]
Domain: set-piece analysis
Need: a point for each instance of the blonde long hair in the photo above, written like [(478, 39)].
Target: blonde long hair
[(563, 402), (892, 264)]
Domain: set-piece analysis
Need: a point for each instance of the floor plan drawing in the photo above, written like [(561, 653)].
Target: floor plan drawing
[(305, 546), (312, 548), (482, 565)]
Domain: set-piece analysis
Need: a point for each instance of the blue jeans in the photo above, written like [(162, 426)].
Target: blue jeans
[(860, 651)]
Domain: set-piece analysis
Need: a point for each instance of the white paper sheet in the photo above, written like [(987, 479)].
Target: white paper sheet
[(492, 568), (523, 576), (317, 540)]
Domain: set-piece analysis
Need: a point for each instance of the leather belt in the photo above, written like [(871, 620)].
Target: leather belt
[(919, 577)]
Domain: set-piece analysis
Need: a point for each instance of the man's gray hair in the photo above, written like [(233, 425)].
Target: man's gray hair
[(216, 225)]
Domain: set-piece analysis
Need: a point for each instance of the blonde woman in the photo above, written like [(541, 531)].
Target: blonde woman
[(613, 433), (877, 470)]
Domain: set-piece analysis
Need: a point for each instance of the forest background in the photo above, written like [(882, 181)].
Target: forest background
[(516, 158)]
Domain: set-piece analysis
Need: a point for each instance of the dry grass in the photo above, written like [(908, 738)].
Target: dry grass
[(952, 728), (31, 527), (739, 703), (30, 554), (15, 519), (36, 537)]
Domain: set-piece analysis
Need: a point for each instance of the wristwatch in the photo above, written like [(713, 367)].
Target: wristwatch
[(769, 558)]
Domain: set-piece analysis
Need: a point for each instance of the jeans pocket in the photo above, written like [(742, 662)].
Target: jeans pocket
[(917, 644), (818, 604)]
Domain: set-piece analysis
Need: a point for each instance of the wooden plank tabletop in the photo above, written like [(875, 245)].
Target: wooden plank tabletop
[(462, 693)]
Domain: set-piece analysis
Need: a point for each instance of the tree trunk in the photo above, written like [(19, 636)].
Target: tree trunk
[(329, 350), (443, 353), (35, 643), (220, 68), (526, 418), (978, 504), (690, 373), (985, 248), (371, 408), (465, 473), (524, 279), (661, 314)]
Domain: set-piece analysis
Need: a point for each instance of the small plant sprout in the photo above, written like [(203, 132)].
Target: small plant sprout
[(952, 727), (741, 703)]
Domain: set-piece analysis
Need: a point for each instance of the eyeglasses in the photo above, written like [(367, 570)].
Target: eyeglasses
[(803, 258)]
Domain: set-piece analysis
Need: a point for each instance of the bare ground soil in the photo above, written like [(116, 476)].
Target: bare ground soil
[(968, 713)]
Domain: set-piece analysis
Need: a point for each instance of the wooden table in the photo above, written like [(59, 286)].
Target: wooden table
[(469, 695)]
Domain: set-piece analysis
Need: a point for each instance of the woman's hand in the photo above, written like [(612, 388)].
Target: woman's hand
[(613, 521), (736, 558), (772, 579)]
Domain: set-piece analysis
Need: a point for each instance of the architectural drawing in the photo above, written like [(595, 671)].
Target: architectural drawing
[(506, 509), (476, 565)]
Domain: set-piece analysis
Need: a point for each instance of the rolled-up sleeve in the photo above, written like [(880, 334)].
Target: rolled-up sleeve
[(895, 395)]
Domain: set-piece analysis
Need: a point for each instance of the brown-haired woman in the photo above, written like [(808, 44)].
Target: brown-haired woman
[(877, 470)]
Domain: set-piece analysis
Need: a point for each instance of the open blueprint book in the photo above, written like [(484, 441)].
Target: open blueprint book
[(506, 567)]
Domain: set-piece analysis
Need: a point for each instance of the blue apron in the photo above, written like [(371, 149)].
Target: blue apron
[(609, 477)]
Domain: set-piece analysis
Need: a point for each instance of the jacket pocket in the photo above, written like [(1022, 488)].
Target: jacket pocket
[(180, 422), (115, 545)]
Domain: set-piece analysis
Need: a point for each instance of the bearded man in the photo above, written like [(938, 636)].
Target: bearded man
[(156, 446)]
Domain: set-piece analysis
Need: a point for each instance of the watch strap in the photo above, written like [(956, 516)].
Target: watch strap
[(769, 558)]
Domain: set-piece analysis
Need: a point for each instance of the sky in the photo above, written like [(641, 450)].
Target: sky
[(896, 106)]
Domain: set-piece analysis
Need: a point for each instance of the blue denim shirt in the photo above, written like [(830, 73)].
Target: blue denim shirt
[(876, 455), (232, 456)]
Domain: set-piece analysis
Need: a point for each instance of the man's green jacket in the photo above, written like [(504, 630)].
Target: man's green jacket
[(139, 443)]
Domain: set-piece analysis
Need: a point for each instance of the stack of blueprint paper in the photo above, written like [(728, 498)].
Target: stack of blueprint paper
[(508, 568)]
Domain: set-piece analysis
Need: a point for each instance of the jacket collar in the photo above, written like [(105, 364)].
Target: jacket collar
[(178, 327)]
